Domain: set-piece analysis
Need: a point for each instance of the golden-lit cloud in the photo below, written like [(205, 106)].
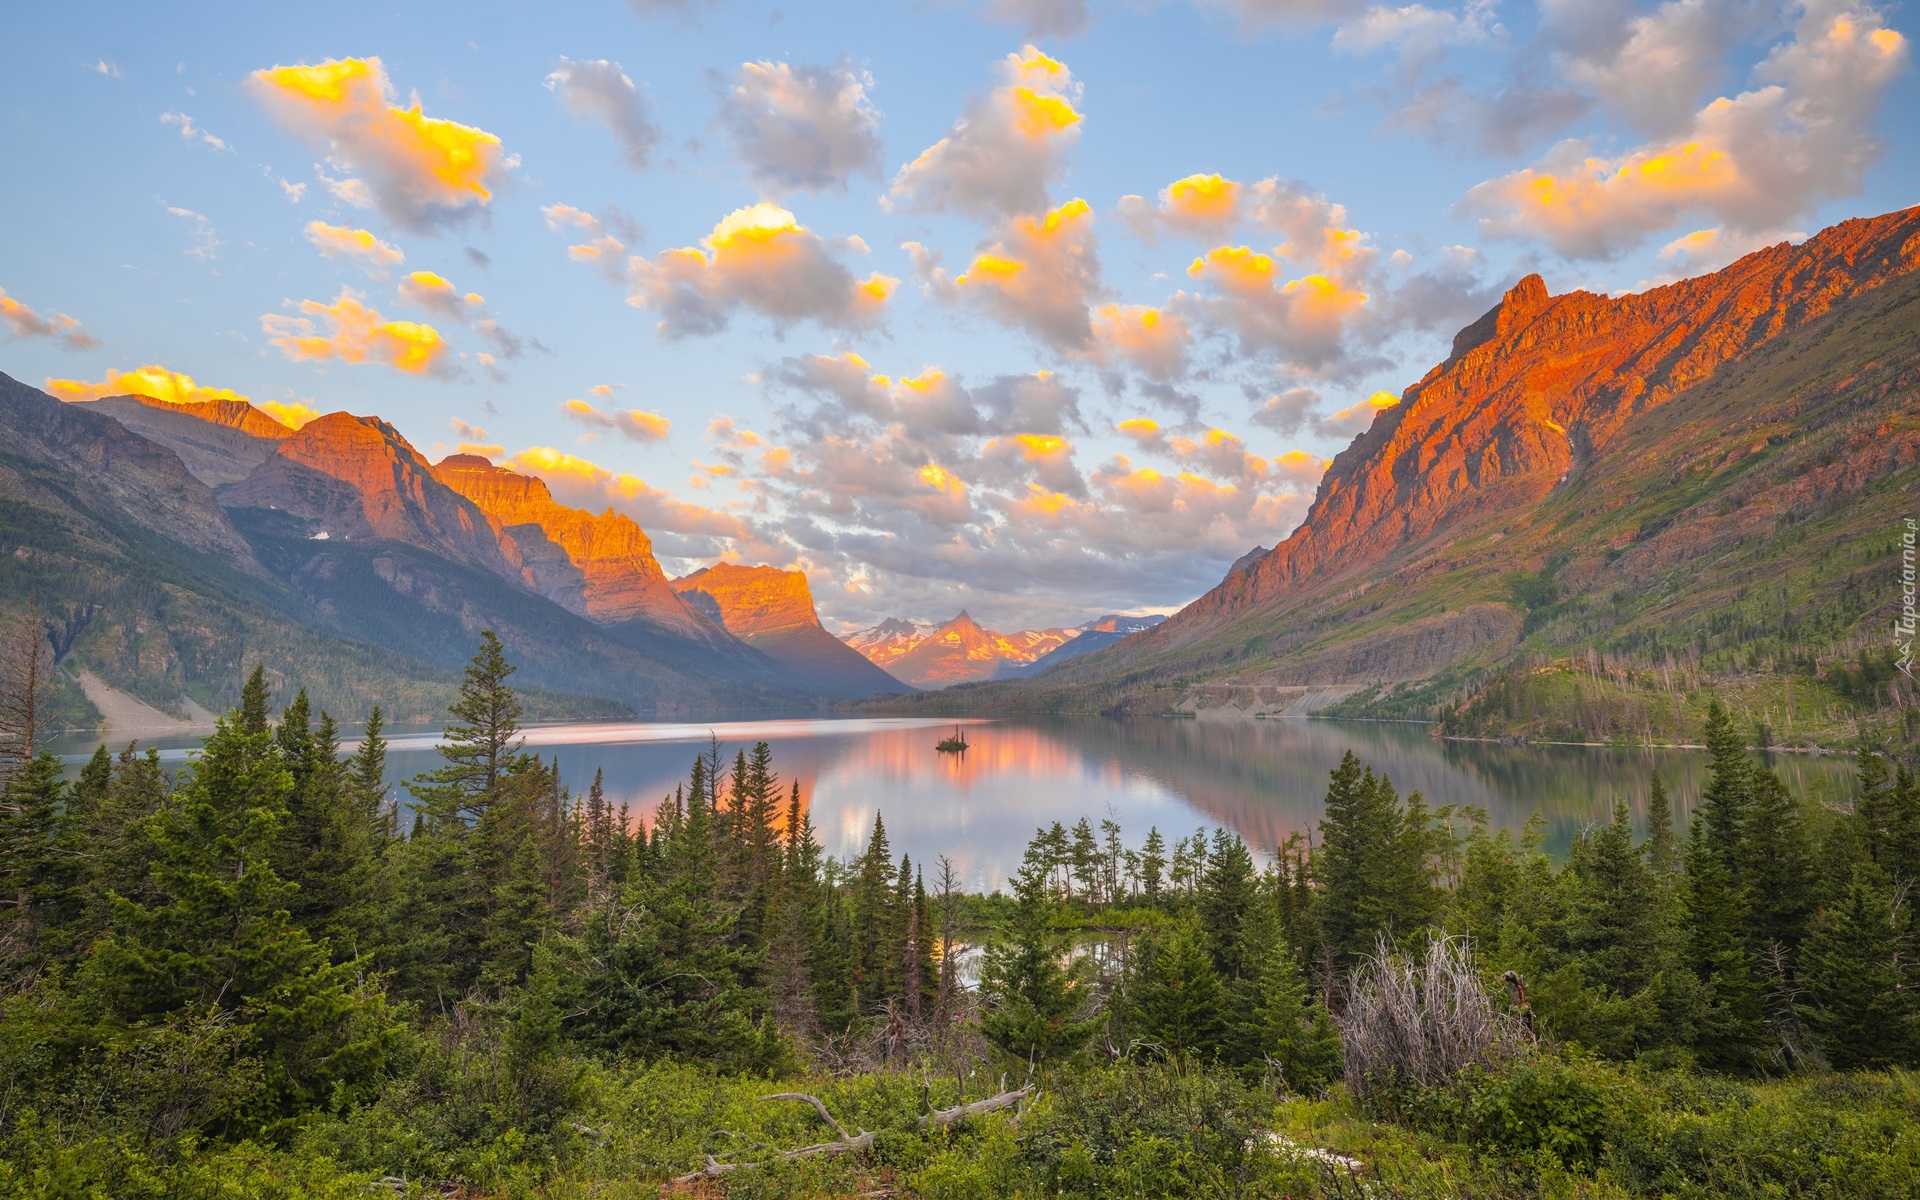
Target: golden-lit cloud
[(1304, 318), (1754, 162), (1038, 274), (360, 245), (1154, 340), (419, 171), (1000, 156), (1199, 206), (152, 381), (291, 414), (630, 423), (350, 331), (760, 258), (24, 322), (585, 484), (436, 294)]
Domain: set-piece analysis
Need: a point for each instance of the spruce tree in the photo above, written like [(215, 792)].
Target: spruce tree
[(212, 932), (1729, 1026), (1662, 847), (1153, 862), (1859, 984), (875, 964), (1177, 999), (1228, 899), (1031, 1000)]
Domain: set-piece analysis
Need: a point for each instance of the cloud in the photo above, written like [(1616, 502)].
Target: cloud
[(1256, 15), (23, 322), (102, 67), (1038, 274), (1197, 206), (1153, 340), (1415, 31), (600, 91), (1305, 318), (668, 8), (294, 192), (801, 128), (999, 157), (1523, 110), (1652, 67), (760, 258), (421, 172), (354, 333), (1710, 249), (630, 423), (291, 414), (1755, 162), (1298, 409), (206, 242), (360, 245), (436, 294), (191, 132), (153, 381), (1041, 18), (585, 484)]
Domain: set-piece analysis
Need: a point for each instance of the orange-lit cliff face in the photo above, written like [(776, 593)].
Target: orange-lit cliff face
[(1533, 392), (605, 569), (356, 478), (961, 651), (772, 611), (220, 441)]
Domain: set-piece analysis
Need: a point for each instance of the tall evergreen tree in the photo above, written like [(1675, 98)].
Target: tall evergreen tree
[(1860, 982)]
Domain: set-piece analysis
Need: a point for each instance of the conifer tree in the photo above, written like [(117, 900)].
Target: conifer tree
[(213, 930), (1662, 847), (1153, 861), (1031, 1000), (872, 920), (1178, 1000), (1725, 800), (1860, 984), (1228, 900), (1777, 866), (1729, 1025)]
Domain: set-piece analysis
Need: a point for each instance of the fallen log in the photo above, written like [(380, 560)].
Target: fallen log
[(850, 1143)]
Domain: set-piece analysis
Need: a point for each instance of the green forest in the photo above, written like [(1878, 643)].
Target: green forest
[(268, 974)]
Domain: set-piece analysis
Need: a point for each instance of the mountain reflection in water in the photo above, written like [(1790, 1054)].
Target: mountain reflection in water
[(1262, 779)]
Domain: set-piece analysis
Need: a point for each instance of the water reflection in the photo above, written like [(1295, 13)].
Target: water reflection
[(1263, 779)]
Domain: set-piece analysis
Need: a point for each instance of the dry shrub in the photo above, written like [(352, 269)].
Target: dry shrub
[(1418, 1020)]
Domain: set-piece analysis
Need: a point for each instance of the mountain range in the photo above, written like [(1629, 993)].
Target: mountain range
[(168, 547), (962, 651), (1635, 500)]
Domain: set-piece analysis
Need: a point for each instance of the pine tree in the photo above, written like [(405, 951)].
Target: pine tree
[(1861, 994), (1725, 800), (1372, 863), (478, 748), (1730, 1028), (1227, 902), (1291, 1035), (875, 963), (253, 700), (1777, 872), (1662, 847), (1177, 999), (1153, 861), (42, 906), (1031, 1000), (213, 932)]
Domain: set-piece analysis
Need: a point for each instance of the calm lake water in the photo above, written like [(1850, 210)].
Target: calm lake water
[(1262, 779)]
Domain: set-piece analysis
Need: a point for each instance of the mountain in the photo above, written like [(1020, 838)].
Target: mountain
[(772, 611), (146, 585), (356, 479), (1096, 634), (1637, 500), (340, 558), (220, 441), (600, 567), (960, 651)]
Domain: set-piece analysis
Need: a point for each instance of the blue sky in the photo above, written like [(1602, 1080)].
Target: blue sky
[(1111, 422)]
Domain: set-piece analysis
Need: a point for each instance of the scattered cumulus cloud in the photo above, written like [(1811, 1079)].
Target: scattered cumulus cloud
[(759, 258), (152, 381), (1010, 144), (24, 322), (1040, 18), (802, 128), (600, 91), (355, 245), (437, 295), (351, 332), (1754, 162), (630, 423), (420, 172), (1038, 274), (206, 242)]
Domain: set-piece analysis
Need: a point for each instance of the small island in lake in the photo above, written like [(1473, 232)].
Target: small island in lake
[(957, 744)]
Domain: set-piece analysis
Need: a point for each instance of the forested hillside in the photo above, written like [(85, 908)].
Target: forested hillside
[(268, 975)]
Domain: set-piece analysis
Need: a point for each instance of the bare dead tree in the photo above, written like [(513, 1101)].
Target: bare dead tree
[(26, 690), (1420, 1019)]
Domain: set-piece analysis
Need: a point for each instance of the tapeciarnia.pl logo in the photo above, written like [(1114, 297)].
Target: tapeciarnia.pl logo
[(1903, 625)]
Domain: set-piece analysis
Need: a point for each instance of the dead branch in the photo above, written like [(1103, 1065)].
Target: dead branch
[(850, 1143)]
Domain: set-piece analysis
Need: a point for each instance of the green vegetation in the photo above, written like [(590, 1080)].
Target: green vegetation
[(244, 980)]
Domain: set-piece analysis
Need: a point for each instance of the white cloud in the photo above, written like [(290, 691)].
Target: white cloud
[(801, 128), (191, 132), (1000, 156), (599, 90)]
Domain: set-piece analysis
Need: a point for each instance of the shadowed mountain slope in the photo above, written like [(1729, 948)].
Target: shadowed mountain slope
[(220, 441)]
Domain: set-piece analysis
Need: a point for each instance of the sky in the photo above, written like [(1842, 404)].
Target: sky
[(1041, 308)]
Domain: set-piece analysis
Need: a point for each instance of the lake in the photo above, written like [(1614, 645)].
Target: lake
[(1264, 779)]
